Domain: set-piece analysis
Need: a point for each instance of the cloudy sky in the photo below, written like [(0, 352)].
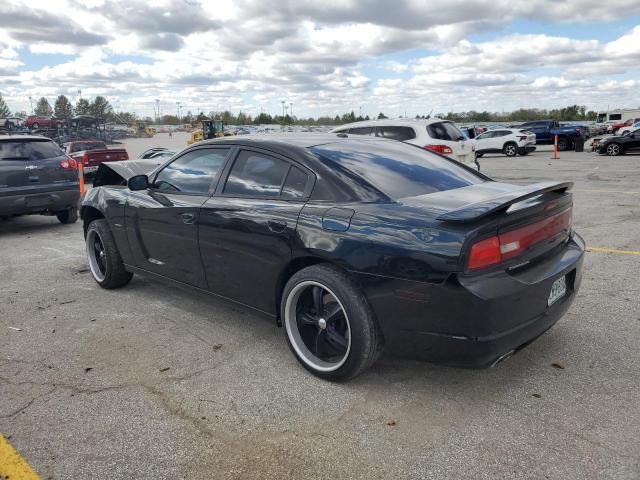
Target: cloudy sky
[(325, 57)]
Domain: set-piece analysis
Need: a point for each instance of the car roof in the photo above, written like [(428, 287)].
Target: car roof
[(290, 139), (389, 122), (24, 137)]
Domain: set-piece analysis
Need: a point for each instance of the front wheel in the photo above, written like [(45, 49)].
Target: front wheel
[(328, 323), (105, 262), (613, 149)]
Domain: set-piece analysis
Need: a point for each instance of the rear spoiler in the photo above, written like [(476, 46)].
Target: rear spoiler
[(475, 211)]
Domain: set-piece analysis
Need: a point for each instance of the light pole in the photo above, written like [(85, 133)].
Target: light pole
[(282, 109), (360, 111), (31, 102), (158, 111), (291, 108), (80, 93), (178, 104)]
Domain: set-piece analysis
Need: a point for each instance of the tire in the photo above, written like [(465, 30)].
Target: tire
[(613, 149), (68, 216), (563, 144), (510, 149), (344, 314), (104, 259)]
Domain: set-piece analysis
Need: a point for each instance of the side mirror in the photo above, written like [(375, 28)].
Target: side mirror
[(138, 182)]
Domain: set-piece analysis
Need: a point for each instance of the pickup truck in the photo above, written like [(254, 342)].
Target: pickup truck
[(546, 130), (91, 153)]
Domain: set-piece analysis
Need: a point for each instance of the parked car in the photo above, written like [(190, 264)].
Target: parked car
[(11, 123), (92, 153), (508, 141), (36, 121), (617, 126), (37, 177), (629, 128), (546, 130), (354, 245), (157, 152), (618, 145), (440, 136)]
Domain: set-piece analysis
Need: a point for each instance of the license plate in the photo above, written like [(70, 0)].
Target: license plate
[(558, 290)]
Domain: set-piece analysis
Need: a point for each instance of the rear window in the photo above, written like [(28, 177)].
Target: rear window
[(445, 131), (28, 150), (397, 169), (396, 133)]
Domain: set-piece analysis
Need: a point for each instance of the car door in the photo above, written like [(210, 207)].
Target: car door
[(162, 221), (248, 228), (483, 142), (633, 144)]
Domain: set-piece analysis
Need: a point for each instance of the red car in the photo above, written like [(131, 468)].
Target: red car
[(92, 153), (39, 121)]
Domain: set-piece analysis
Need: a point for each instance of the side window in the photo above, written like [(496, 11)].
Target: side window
[(295, 183), (193, 172), (396, 133), (501, 133), (257, 175), (615, 116), (361, 131)]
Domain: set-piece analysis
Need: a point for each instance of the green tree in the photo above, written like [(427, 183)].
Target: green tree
[(43, 108), (4, 109), (62, 108), (381, 116), (100, 107), (83, 107)]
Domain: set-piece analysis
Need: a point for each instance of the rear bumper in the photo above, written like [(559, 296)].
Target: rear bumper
[(47, 202), (473, 321), (527, 148)]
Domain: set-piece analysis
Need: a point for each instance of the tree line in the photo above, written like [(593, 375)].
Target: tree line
[(101, 108)]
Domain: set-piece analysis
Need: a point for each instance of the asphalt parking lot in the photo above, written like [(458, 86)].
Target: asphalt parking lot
[(150, 382)]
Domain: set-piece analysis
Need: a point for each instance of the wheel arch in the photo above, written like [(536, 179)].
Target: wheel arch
[(293, 267), (88, 215)]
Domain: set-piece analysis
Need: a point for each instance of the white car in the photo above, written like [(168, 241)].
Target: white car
[(11, 122), (629, 128), (508, 141), (434, 134)]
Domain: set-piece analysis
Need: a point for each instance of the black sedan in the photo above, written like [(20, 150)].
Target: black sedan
[(628, 143), (353, 245)]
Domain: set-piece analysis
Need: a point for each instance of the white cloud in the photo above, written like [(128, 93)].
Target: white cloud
[(253, 53)]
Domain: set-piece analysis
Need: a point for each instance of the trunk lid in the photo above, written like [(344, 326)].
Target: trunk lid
[(94, 158)]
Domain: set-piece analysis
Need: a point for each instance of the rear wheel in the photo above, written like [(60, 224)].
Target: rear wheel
[(68, 216), (105, 262), (510, 149), (328, 324), (613, 149), (563, 144)]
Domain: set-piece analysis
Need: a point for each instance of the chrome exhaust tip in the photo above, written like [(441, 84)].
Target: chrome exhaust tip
[(503, 357)]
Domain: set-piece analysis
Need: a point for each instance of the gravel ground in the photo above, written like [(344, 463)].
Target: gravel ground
[(150, 382)]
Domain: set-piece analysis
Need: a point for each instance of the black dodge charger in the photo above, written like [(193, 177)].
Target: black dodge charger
[(352, 245)]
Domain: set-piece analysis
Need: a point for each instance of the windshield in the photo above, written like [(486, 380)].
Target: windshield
[(28, 150), (397, 169)]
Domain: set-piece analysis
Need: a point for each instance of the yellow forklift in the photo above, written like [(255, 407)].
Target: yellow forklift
[(210, 129), (141, 130)]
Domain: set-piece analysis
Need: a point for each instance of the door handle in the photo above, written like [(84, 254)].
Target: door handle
[(188, 218), (276, 227)]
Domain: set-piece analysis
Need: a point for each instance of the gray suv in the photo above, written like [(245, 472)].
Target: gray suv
[(37, 177)]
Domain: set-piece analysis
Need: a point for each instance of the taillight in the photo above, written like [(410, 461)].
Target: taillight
[(522, 138), (494, 250), (69, 164), (124, 156), (85, 158), (441, 149)]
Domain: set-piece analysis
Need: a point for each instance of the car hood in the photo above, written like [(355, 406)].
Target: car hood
[(129, 168)]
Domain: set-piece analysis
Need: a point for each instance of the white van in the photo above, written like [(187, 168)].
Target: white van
[(435, 134)]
